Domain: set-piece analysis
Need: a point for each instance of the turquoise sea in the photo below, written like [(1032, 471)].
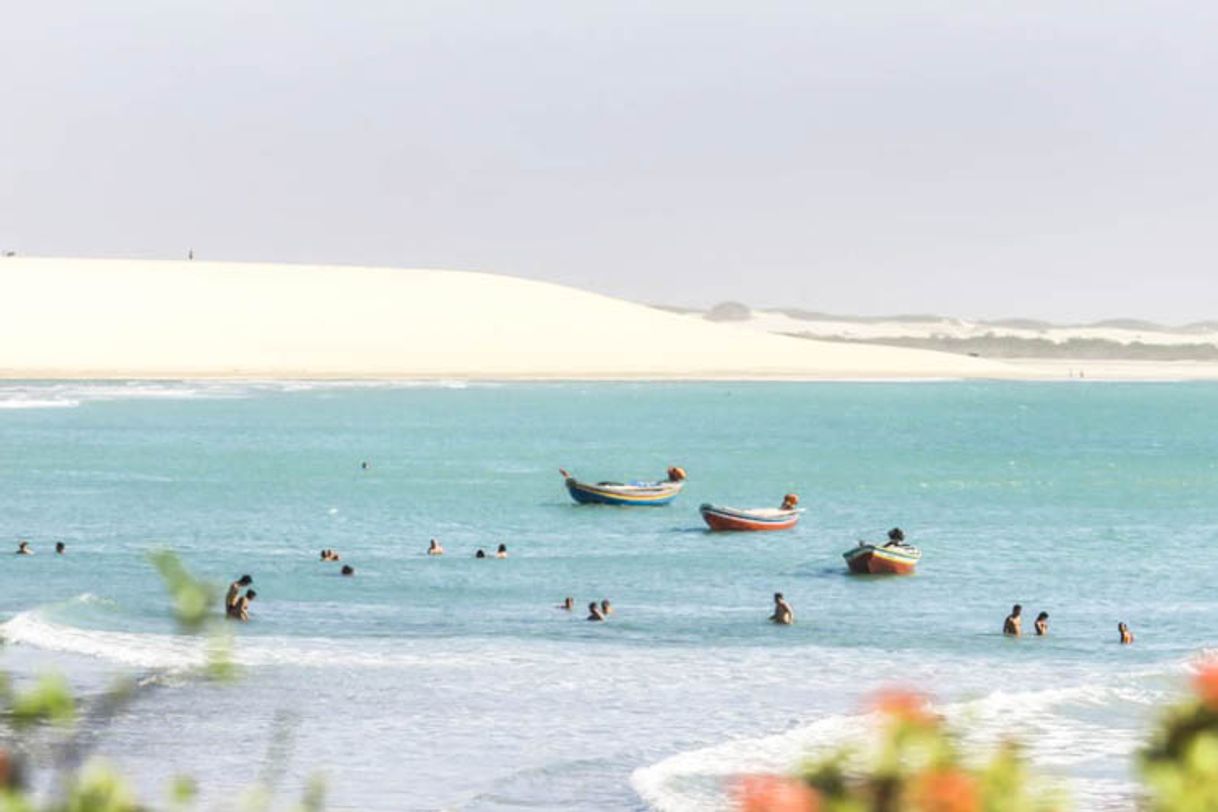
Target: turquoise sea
[(455, 683)]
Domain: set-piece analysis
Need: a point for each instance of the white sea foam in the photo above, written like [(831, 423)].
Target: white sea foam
[(68, 395), (169, 652), (698, 779)]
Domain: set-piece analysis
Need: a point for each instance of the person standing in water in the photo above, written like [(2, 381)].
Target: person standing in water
[(1042, 624), (23, 548), (1126, 635), (501, 552), (594, 612), (1013, 625), (60, 548), (783, 615), (234, 592), (606, 607), (241, 609), (568, 604), (435, 548)]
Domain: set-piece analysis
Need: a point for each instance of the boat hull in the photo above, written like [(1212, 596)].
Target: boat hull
[(871, 560), (734, 519), (650, 495)]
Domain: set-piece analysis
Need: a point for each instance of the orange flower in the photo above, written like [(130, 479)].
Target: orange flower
[(904, 706), (945, 790), (775, 793), (1206, 684)]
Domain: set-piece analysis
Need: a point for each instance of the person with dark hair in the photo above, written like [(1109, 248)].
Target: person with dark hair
[(435, 548), (1013, 625), (594, 612), (60, 548), (606, 607), (501, 552), (241, 609), (1126, 635), (896, 538), (348, 569), (234, 592), (480, 554), (23, 548), (1042, 624), (568, 604), (783, 615)]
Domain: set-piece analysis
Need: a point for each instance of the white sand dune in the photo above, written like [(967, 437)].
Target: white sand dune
[(74, 318)]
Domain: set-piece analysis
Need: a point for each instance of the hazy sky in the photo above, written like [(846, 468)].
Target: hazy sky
[(972, 158)]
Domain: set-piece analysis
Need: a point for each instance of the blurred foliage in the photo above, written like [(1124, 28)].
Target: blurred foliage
[(1180, 764), (91, 785)]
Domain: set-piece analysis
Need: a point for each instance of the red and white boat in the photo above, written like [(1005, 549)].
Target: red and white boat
[(721, 517), (889, 559)]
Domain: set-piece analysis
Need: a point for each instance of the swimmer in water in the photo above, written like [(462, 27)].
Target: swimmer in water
[(1013, 625), (594, 612), (435, 548), (568, 604), (60, 548), (241, 609), (501, 552), (480, 554), (23, 548), (234, 592), (348, 569), (606, 607), (783, 615), (1126, 635), (1042, 624), (896, 538), (364, 465)]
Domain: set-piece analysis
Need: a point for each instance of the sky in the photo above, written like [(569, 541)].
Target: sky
[(976, 159)]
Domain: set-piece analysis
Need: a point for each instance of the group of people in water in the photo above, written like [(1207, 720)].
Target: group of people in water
[(596, 611), (236, 605), (1013, 625), (435, 548), (24, 548)]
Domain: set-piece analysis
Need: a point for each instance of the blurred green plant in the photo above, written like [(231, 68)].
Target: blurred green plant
[(87, 784), (1180, 764)]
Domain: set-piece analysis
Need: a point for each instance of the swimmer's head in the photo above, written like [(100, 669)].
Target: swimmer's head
[(1043, 616), (245, 580), (251, 594), (1016, 610), (60, 546), (777, 596), (348, 569), (502, 548), (480, 554)]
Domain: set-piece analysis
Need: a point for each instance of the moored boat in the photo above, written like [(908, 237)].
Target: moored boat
[(626, 493), (721, 517), (887, 559)]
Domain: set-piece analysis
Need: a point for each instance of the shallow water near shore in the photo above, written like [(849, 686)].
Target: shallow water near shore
[(451, 682)]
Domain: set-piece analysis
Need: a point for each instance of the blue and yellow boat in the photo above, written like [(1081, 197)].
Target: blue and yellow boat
[(626, 493)]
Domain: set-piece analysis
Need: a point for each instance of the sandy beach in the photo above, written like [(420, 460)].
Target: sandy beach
[(81, 318)]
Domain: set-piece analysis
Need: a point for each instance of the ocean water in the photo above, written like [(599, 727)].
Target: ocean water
[(455, 683)]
